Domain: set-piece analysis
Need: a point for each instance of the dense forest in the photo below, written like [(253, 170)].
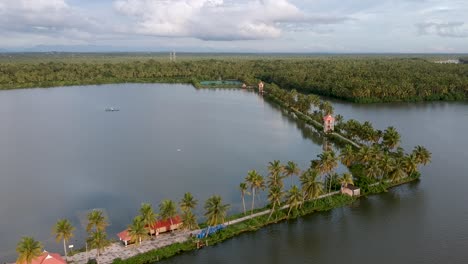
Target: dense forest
[(359, 79)]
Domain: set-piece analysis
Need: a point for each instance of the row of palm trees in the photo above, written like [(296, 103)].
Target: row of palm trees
[(141, 228)]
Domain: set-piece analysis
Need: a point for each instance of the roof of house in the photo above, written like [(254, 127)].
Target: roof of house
[(48, 258), (328, 117), (352, 187), (124, 236)]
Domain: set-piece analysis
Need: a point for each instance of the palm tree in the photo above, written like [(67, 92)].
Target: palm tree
[(423, 156), (215, 210), (310, 184), (327, 163), (167, 210), (256, 182), (386, 164), (97, 220), (410, 164), (365, 154), (373, 170), (275, 196), (391, 137), (346, 179), (275, 168), (28, 249), (397, 173), (188, 202), (189, 220), (63, 230), (98, 240), (294, 198), (137, 229), (243, 189), (347, 155), (148, 217), (291, 169)]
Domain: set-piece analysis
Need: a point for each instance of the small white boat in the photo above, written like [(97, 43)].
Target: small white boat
[(111, 109)]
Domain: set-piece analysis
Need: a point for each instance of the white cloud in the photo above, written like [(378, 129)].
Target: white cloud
[(444, 29), (216, 19)]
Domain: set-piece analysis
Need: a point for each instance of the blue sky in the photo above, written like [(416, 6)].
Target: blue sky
[(407, 26)]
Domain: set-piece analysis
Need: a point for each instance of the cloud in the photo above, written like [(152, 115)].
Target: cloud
[(44, 18), (444, 29), (216, 19)]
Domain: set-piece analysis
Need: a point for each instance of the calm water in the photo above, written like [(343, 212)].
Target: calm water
[(423, 222), (61, 154)]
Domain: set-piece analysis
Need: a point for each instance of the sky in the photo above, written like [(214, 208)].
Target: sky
[(342, 26)]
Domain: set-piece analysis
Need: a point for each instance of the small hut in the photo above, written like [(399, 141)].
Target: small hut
[(161, 226), (261, 85), (351, 190), (328, 123)]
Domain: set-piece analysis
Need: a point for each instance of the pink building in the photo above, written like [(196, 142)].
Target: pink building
[(328, 123)]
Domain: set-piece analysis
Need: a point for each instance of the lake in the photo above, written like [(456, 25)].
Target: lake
[(61, 155)]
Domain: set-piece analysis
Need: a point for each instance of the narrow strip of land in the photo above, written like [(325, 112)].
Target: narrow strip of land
[(117, 250)]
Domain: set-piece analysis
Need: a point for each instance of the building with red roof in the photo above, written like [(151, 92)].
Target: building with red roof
[(160, 226), (328, 123), (47, 258)]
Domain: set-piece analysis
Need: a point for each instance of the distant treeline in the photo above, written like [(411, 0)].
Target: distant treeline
[(361, 80)]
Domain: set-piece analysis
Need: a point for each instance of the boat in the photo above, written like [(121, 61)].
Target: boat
[(111, 109)]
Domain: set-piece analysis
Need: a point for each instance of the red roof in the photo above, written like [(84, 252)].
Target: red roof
[(161, 223), (124, 236), (49, 258), (328, 118)]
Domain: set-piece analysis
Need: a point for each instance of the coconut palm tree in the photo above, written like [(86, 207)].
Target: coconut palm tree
[(148, 217), (96, 220), (423, 156), (294, 198), (347, 155), (275, 168), (167, 210), (188, 202), (256, 182), (291, 169), (386, 164), (215, 210), (243, 189), (410, 164), (346, 179), (63, 230), (28, 249), (391, 138), (311, 186), (365, 154), (137, 229), (373, 170), (98, 240), (327, 163), (275, 197), (397, 173), (189, 220)]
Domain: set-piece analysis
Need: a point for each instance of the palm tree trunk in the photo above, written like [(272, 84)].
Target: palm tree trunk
[(65, 248), (243, 202), (253, 200)]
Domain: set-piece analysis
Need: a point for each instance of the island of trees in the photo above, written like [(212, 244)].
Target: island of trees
[(375, 162)]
